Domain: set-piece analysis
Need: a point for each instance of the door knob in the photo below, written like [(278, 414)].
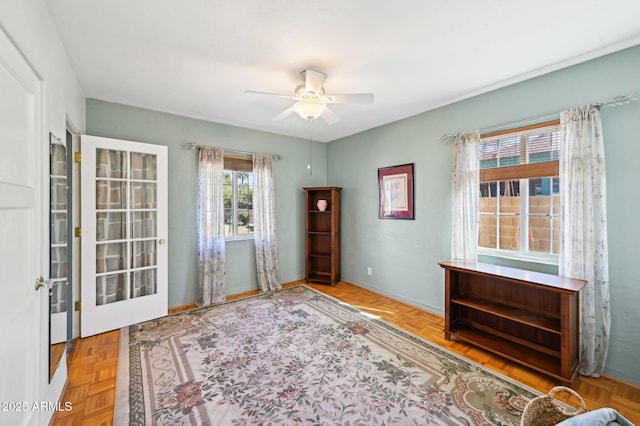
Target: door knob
[(162, 241), (41, 282)]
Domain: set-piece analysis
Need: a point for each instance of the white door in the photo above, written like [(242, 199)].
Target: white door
[(124, 230), (23, 245)]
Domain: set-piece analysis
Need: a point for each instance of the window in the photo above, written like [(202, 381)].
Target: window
[(238, 197), (519, 193)]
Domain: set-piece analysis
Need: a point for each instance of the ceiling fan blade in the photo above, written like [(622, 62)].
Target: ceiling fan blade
[(313, 80), (284, 114), (355, 98), (329, 116), (280, 95)]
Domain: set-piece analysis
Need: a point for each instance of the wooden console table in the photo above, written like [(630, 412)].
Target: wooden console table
[(528, 317)]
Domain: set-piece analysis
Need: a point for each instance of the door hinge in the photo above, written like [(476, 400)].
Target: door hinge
[(77, 157), (77, 305), (77, 231)]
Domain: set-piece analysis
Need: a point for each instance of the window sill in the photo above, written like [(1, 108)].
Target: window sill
[(540, 258), (239, 238)]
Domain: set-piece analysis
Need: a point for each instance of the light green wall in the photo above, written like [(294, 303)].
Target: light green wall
[(404, 254), (290, 174)]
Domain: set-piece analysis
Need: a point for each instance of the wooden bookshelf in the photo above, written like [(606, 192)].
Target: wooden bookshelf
[(527, 317), (322, 230)]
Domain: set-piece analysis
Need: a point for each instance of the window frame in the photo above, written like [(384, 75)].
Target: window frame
[(522, 173), (235, 164)]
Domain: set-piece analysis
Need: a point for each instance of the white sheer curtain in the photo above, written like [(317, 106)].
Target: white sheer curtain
[(465, 185), (211, 249), (583, 229), (264, 219)]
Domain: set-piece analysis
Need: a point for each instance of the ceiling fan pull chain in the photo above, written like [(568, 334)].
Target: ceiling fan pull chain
[(310, 150)]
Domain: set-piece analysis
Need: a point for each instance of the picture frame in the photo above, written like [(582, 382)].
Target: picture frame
[(395, 192)]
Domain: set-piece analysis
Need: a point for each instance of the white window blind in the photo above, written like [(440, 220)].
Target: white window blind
[(527, 152)]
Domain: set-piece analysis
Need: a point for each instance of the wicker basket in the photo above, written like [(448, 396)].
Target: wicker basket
[(544, 410)]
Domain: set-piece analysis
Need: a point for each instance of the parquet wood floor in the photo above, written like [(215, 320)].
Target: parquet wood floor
[(93, 361)]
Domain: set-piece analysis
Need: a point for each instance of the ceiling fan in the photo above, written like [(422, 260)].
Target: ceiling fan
[(311, 100)]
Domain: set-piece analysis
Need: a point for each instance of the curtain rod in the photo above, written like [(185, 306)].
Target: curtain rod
[(194, 146), (616, 101)]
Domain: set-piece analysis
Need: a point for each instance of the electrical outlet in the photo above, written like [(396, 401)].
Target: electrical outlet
[(369, 271)]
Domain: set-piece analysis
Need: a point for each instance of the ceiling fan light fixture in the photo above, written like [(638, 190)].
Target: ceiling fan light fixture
[(310, 108)]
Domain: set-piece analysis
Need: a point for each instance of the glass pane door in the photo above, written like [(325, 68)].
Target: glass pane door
[(124, 217), (126, 231), (59, 251), (58, 234)]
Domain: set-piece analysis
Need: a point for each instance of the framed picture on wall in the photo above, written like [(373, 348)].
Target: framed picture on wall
[(395, 191)]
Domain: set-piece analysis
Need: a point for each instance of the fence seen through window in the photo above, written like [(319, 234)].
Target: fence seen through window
[(519, 191)]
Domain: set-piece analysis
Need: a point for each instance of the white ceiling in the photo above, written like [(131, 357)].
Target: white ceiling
[(197, 57)]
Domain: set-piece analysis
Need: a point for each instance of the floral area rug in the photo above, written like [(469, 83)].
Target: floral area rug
[(297, 356)]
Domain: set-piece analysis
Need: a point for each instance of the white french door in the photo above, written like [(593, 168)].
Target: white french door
[(124, 231)]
